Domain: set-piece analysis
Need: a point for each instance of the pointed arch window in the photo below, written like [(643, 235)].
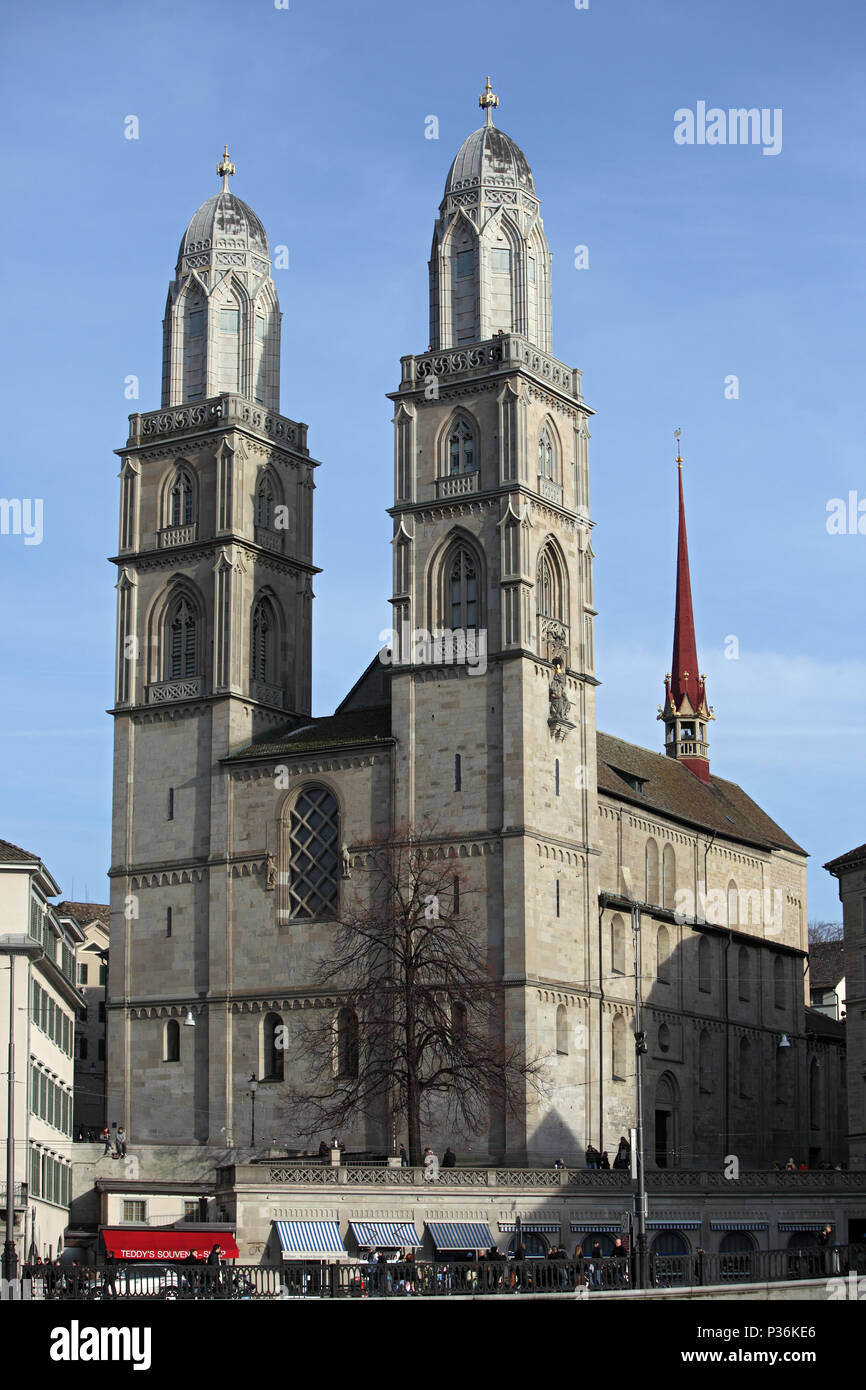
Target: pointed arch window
[(546, 456), (548, 581), (265, 502), (347, 1049), (171, 1041), (314, 853), (182, 643), (461, 449), (262, 642), (462, 590), (272, 1040), (561, 1030), (181, 500)]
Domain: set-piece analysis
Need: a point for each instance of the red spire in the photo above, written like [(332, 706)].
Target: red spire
[(685, 678)]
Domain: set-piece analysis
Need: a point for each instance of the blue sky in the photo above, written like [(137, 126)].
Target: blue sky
[(704, 261)]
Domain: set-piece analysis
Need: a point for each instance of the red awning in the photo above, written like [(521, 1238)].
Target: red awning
[(127, 1243)]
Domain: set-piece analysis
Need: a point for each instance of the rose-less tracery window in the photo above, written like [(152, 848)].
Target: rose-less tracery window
[(461, 449), (314, 854), (463, 591)]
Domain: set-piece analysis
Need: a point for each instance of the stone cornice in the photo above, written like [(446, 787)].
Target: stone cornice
[(157, 559)]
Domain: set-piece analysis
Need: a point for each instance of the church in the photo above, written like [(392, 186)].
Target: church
[(240, 818)]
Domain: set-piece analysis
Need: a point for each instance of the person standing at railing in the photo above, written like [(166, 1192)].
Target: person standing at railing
[(431, 1166)]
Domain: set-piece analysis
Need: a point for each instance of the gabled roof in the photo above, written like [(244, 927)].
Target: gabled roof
[(672, 790), (826, 964), (823, 1026), (352, 728), (85, 913), (14, 854)]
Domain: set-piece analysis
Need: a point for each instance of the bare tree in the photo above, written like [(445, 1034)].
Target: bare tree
[(825, 931), (416, 1023)]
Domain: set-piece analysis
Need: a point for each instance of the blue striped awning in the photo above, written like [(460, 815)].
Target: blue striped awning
[(551, 1228), (739, 1226), (590, 1228), (461, 1235), (311, 1238), (673, 1225), (803, 1225), (389, 1233)]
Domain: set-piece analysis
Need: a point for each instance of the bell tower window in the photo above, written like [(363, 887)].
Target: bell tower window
[(262, 641), (461, 450), (180, 501), (229, 319), (546, 456), (463, 590), (182, 645)]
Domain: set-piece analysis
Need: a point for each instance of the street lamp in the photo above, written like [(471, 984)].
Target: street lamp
[(254, 1086)]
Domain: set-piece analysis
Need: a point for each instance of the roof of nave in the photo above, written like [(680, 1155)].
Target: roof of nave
[(844, 861), (823, 1026), (670, 789), (342, 730)]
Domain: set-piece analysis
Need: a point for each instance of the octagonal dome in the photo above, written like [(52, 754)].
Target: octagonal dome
[(488, 155)]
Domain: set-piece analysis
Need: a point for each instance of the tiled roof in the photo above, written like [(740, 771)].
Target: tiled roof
[(852, 857), (670, 789), (85, 913), (353, 727), (823, 1025), (13, 854), (826, 964)]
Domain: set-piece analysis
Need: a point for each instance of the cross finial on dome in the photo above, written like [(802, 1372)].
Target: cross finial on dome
[(677, 436), (225, 168), (487, 101)]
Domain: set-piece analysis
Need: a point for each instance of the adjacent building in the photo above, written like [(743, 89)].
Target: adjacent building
[(850, 871), (91, 975)]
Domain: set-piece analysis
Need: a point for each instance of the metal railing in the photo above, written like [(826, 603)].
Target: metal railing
[(437, 1278)]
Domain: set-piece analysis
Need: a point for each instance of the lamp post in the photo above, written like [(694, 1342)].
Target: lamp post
[(254, 1086)]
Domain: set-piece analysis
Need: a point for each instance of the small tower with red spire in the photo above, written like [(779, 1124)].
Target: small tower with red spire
[(686, 713)]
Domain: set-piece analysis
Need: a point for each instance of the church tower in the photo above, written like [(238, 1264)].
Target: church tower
[(213, 649), (685, 712), (493, 684)]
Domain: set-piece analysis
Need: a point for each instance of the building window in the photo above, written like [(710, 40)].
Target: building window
[(500, 260), (229, 320), (102, 1011), (531, 270), (458, 1021), (133, 1210), (82, 1049), (180, 500), (619, 1047), (314, 838), (705, 1063), (663, 952), (100, 1049), (664, 1038), (617, 946), (464, 264), (733, 904), (260, 329), (458, 773), (103, 975), (557, 897), (744, 974), (272, 1047), (190, 1211), (704, 965), (347, 1044), (652, 872), (669, 877), (546, 456), (182, 643), (556, 775), (168, 917), (262, 642), (82, 974), (196, 323), (463, 591), (461, 449), (561, 1030), (456, 899), (265, 502), (171, 803), (82, 1014), (779, 990), (171, 1041)]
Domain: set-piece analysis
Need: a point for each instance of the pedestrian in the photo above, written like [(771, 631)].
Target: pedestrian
[(595, 1266), (121, 1142), (324, 1151), (431, 1166), (449, 1158), (604, 1162), (404, 1157), (558, 1164), (592, 1156), (109, 1285), (105, 1136), (790, 1166)]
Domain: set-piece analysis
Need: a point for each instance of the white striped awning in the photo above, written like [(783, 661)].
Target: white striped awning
[(550, 1228), (739, 1226), (461, 1235), (603, 1228), (392, 1234), (673, 1225), (803, 1225), (310, 1239)]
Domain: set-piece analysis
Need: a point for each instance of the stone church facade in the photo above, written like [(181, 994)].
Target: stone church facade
[(240, 820)]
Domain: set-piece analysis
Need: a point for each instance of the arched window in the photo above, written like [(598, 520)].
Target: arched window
[(666, 1121), (181, 640), (549, 586), (171, 1041), (705, 961), (745, 1066), (546, 456), (561, 1030), (265, 502), (733, 904), (779, 991), (744, 974), (461, 449), (669, 1243), (652, 872), (705, 1063), (617, 947), (181, 509), (620, 1047), (669, 876), (314, 854), (347, 1044), (664, 1038), (663, 953), (534, 1244), (462, 590), (272, 1048), (263, 642), (814, 1094), (458, 1020)]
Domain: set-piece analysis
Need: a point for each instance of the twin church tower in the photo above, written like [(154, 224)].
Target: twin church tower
[(240, 818)]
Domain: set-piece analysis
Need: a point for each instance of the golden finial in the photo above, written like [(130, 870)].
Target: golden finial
[(487, 101), (677, 436), (225, 168)]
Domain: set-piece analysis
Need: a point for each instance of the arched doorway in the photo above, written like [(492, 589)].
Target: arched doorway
[(737, 1250), (669, 1254), (666, 1115)]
